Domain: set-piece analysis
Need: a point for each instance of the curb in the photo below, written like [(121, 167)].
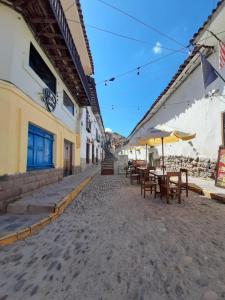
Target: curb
[(206, 193), (58, 210)]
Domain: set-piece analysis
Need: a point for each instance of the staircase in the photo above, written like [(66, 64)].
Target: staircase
[(107, 165)]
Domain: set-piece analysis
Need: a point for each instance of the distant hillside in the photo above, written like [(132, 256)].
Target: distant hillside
[(115, 139)]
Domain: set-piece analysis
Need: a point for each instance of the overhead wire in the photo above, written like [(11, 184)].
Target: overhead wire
[(119, 34), (141, 22), (137, 68)]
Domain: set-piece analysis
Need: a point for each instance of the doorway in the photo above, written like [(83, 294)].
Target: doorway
[(68, 148), (93, 153), (150, 159), (87, 152), (96, 155)]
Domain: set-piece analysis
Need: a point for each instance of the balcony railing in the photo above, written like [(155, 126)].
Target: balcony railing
[(65, 31)]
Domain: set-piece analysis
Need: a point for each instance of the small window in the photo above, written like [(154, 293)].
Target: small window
[(68, 103), (37, 63), (39, 148), (88, 121)]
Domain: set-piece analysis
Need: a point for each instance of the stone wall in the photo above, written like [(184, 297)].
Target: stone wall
[(197, 167), (13, 187)]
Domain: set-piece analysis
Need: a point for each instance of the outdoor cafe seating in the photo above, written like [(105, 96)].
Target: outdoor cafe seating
[(170, 188), (169, 184)]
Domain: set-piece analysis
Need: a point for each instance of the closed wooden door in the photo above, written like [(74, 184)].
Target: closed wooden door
[(67, 158), (93, 154), (87, 152), (96, 155)]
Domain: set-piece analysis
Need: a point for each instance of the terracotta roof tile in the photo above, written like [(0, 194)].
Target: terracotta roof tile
[(219, 4)]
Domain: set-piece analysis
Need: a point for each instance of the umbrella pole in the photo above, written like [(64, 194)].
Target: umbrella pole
[(146, 153), (163, 154)]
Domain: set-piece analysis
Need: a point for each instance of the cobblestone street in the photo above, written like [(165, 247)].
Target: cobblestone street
[(112, 244)]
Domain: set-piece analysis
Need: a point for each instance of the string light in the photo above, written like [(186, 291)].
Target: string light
[(142, 66), (138, 70)]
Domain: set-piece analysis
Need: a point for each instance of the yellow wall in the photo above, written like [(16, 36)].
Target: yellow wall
[(16, 111)]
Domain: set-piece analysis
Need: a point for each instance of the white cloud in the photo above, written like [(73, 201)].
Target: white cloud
[(108, 130), (157, 48)]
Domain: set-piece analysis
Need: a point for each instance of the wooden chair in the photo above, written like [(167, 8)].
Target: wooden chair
[(163, 168), (151, 176), (134, 175), (172, 189), (144, 176), (127, 170), (149, 185), (184, 185)]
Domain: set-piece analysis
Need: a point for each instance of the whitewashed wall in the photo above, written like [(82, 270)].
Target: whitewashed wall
[(188, 109), (89, 135), (14, 64)]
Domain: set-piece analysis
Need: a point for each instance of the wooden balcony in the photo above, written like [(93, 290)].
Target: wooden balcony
[(47, 20)]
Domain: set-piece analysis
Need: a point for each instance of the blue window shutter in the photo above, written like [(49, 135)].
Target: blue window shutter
[(30, 150), (40, 145)]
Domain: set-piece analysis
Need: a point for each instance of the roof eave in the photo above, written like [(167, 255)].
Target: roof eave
[(197, 35)]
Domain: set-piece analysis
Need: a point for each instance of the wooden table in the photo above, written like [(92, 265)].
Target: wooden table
[(161, 178)]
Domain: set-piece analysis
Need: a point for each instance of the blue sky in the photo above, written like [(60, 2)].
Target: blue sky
[(125, 100)]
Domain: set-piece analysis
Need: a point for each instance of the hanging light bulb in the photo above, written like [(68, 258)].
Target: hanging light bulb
[(105, 82), (138, 70)]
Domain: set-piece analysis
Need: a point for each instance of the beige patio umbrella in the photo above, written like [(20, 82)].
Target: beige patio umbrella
[(163, 134)]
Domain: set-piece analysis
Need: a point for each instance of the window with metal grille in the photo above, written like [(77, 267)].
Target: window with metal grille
[(68, 103), (37, 63), (88, 121)]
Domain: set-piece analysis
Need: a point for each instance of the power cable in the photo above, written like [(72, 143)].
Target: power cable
[(137, 69), (119, 34), (141, 22)]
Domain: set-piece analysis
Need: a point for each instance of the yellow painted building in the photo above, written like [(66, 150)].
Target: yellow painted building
[(16, 111), (44, 95)]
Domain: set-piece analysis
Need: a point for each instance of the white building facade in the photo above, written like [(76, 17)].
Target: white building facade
[(187, 106)]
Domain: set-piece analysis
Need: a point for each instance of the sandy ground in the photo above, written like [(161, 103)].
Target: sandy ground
[(113, 244)]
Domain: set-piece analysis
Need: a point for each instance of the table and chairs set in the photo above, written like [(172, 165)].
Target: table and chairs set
[(169, 184)]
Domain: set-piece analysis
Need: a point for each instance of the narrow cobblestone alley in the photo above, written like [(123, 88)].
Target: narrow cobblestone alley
[(112, 244)]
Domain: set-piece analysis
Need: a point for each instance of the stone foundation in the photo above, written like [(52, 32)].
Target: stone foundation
[(197, 167), (76, 169), (13, 187)]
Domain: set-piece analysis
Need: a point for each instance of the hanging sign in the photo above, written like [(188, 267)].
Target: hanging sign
[(220, 171), (49, 99)]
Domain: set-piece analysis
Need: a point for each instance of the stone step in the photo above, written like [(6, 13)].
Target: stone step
[(107, 172)]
